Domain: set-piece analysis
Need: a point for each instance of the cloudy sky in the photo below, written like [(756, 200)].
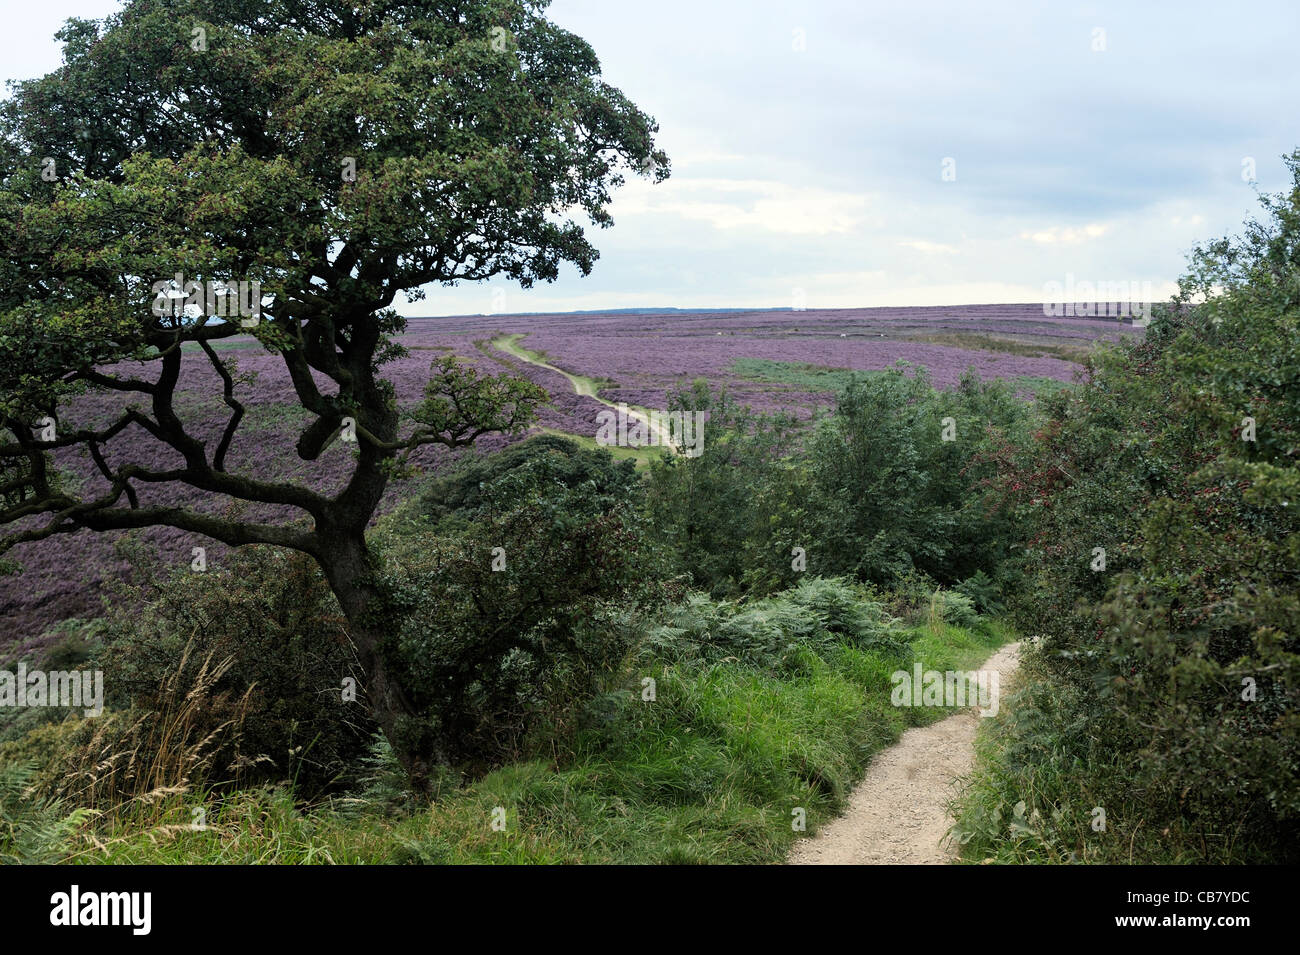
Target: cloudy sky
[(911, 153)]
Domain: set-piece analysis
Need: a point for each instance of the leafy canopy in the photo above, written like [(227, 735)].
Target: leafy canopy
[(332, 156)]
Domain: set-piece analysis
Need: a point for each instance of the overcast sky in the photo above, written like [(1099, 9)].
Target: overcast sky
[(909, 153)]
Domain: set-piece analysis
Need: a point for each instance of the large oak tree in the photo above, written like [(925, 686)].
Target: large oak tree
[(338, 153)]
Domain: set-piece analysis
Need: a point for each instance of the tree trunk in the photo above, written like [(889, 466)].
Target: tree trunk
[(347, 564)]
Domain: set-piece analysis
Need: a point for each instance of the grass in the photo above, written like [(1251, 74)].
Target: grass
[(709, 772), (640, 456), (1009, 346), (797, 375), (816, 378), (223, 344), (1039, 386)]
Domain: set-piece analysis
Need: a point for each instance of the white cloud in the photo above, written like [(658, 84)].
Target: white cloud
[(1066, 235), (747, 204), (928, 248)]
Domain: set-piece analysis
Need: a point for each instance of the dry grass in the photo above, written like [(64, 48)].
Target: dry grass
[(142, 761)]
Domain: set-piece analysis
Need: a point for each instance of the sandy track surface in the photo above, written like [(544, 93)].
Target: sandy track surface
[(898, 814), (582, 386)]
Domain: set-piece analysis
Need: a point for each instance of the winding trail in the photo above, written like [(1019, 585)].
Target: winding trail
[(898, 814), (582, 385)]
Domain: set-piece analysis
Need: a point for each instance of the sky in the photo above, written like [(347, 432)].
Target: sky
[(846, 154)]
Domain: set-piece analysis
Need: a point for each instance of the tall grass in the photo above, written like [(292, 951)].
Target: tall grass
[(140, 757), (1050, 787), (710, 771)]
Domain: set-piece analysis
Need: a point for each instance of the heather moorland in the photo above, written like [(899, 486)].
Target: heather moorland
[(290, 574)]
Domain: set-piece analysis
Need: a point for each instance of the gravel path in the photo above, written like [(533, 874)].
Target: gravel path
[(898, 814)]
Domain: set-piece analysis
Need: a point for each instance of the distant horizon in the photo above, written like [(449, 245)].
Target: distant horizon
[(705, 310)]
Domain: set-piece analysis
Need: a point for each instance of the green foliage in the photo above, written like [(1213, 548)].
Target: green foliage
[(714, 512), (707, 772), (513, 605), (1179, 651), (377, 150), (982, 591), (956, 608), (869, 487), (875, 492), (798, 375), (1042, 387), (456, 496), (887, 495), (33, 831), (72, 646), (272, 623), (774, 633)]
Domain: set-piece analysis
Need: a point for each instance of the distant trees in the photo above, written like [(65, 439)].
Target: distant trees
[(891, 483)]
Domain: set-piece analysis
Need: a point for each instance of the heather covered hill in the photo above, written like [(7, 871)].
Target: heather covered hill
[(772, 360), (642, 356)]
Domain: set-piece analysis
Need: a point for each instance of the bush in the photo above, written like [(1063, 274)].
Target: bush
[(954, 608), (452, 500), (1159, 506), (982, 591), (819, 615), (714, 513), (271, 626), (33, 831), (515, 619), (888, 496)]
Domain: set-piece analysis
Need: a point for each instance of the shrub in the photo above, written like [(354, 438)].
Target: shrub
[(1159, 506), (715, 513), (982, 591), (272, 628), (453, 499), (516, 618), (954, 608), (818, 615)]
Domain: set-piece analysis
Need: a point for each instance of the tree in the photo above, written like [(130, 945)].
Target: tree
[(714, 510), (331, 157)]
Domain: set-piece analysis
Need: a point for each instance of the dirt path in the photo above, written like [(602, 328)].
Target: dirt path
[(898, 814), (581, 385)]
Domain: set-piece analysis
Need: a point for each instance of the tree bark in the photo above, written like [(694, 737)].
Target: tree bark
[(346, 561)]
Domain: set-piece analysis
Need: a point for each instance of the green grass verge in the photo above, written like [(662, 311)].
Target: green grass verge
[(640, 456), (709, 772), (1039, 386), (1029, 347)]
